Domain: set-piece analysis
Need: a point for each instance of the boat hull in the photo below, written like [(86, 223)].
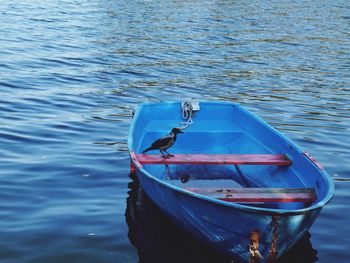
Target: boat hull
[(226, 128), (226, 229)]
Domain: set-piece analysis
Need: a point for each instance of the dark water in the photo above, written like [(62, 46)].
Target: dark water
[(71, 73)]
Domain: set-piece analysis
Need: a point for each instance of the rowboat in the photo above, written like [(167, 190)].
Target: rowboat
[(231, 181)]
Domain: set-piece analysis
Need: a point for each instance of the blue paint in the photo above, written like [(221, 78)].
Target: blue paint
[(71, 73), (228, 129)]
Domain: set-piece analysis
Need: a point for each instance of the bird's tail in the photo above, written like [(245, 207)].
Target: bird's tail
[(148, 149)]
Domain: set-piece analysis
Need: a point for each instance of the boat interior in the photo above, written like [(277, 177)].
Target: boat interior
[(280, 176)]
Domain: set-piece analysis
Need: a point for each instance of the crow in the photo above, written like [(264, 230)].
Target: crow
[(164, 143)]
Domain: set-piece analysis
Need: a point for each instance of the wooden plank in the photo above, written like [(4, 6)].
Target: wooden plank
[(305, 195), (258, 159)]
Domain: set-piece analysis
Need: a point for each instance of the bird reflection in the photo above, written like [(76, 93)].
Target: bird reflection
[(158, 240)]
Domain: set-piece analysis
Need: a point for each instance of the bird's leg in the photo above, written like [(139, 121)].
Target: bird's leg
[(171, 155), (163, 155)]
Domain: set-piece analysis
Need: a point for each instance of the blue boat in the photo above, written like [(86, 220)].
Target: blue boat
[(230, 180)]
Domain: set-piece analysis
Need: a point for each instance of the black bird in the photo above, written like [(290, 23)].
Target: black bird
[(164, 143)]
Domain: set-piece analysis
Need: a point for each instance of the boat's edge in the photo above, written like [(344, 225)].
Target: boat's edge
[(331, 188)]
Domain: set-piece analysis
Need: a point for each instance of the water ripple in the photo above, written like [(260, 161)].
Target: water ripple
[(71, 73)]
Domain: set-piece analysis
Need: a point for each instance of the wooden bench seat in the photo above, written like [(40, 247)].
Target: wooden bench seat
[(257, 159), (254, 195)]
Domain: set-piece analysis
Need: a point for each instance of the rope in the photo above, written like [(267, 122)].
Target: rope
[(187, 111), (273, 253), (255, 255)]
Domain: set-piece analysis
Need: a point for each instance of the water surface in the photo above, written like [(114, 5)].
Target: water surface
[(72, 71)]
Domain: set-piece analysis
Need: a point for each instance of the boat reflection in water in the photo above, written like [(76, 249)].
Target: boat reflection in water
[(158, 240)]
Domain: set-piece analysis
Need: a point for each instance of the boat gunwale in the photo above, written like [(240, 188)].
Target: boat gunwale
[(267, 211)]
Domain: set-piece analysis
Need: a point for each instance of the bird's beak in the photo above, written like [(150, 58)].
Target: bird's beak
[(181, 132)]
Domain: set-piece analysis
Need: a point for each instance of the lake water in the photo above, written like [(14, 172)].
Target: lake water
[(72, 71)]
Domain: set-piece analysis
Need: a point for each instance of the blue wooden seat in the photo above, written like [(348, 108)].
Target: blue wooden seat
[(255, 195)]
